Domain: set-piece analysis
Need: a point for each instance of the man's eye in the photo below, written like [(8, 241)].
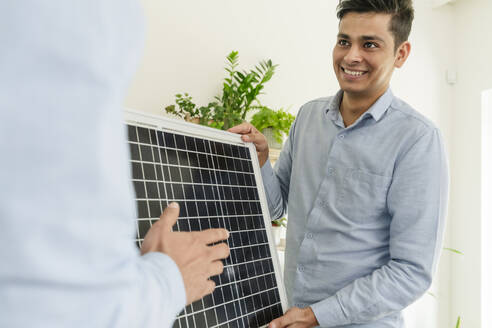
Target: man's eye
[(343, 43), (370, 45)]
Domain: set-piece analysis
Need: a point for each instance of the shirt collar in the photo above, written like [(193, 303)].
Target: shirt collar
[(376, 110)]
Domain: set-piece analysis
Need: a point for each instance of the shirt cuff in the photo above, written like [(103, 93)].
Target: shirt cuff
[(329, 312), (171, 278)]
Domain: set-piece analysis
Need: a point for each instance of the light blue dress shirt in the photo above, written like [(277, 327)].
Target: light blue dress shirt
[(366, 208), (67, 217)]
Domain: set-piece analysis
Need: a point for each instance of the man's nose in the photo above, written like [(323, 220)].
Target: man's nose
[(354, 55)]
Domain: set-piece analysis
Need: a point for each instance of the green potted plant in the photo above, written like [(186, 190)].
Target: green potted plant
[(282, 222), (274, 124), (278, 229), (188, 111), (240, 91)]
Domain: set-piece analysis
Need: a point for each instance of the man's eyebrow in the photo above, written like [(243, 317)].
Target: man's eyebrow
[(363, 38), (343, 36), (371, 37)]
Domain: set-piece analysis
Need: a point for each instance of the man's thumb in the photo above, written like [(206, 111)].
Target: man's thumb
[(170, 215)]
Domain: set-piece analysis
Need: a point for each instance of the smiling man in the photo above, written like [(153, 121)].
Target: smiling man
[(364, 178)]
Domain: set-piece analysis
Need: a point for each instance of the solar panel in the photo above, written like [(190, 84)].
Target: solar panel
[(215, 178)]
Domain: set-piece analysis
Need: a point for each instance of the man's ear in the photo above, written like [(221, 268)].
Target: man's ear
[(402, 54)]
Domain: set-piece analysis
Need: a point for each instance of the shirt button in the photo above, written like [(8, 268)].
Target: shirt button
[(331, 171), (301, 268), (309, 235), (341, 136)]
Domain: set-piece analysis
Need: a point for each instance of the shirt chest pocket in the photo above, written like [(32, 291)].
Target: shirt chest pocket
[(361, 197)]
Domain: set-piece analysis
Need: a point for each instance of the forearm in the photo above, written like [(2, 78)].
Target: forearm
[(276, 203), (387, 290)]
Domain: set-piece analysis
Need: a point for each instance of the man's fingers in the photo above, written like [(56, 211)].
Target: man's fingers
[(257, 138), (211, 236), (170, 216), (220, 251), (278, 323), (204, 289), (216, 268), (243, 128), (287, 319), (250, 137), (249, 134)]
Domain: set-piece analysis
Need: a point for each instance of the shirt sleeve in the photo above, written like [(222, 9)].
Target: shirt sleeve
[(277, 180), (417, 202), (67, 210), (160, 290)]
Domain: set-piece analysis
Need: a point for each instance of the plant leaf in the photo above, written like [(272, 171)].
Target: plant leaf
[(453, 250), (432, 294)]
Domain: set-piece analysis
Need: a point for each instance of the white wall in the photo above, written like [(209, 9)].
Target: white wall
[(473, 49), (486, 207), (187, 42)]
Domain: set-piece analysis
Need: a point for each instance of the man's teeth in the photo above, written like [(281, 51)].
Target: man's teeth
[(353, 73)]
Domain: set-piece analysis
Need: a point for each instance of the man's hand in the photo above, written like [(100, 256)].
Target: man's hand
[(296, 318), (196, 261), (250, 134)]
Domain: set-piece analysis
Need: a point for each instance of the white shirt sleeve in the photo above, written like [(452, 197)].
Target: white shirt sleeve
[(67, 214)]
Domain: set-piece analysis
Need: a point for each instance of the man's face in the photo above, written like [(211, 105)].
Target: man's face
[(364, 56)]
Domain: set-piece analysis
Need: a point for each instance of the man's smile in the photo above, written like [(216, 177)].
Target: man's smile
[(353, 73)]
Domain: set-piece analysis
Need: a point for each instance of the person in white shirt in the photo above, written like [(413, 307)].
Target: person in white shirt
[(67, 251)]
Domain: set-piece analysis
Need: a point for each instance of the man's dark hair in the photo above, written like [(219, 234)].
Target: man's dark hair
[(401, 11)]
